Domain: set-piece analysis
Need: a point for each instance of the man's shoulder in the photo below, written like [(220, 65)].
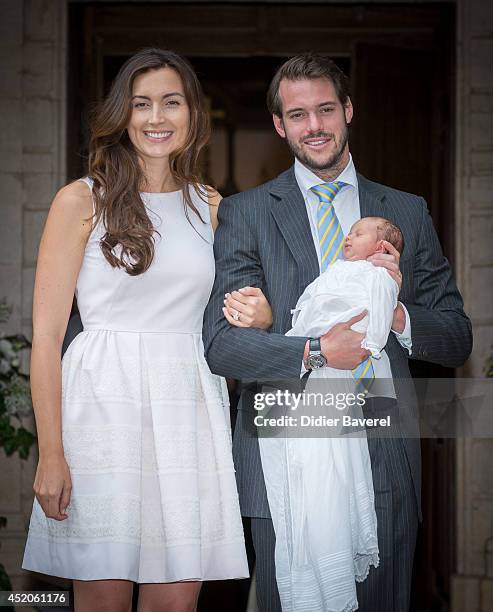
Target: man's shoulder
[(261, 195), (389, 192)]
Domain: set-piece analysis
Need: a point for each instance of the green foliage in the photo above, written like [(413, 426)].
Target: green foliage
[(15, 404), (15, 394), (5, 584), (489, 367)]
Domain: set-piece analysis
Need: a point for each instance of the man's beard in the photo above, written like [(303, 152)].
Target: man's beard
[(324, 164)]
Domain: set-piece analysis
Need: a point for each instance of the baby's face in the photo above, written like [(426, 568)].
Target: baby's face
[(362, 240)]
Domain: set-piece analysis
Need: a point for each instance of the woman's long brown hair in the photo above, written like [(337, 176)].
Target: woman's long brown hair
[(114, 166)]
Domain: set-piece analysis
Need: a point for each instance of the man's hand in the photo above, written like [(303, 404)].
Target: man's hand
[(389, 260), (341, 346)]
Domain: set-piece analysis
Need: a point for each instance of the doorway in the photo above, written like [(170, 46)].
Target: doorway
[(400, 60)]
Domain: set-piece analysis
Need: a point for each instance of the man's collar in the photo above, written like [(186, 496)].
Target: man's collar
[(307, 179)]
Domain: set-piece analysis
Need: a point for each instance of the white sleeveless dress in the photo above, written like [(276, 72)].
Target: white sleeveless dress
[(146, 429)]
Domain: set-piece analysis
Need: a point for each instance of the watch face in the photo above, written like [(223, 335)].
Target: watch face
[(316, 361)]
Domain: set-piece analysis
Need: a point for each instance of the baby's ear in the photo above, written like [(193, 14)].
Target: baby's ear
[(380, 247)]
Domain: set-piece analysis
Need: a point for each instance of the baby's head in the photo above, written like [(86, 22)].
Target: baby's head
[(366, 237)]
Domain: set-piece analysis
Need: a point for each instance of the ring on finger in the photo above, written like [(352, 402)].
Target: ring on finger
[(236, 315)]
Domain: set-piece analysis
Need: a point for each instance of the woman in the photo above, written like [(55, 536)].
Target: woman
[(135, 480)]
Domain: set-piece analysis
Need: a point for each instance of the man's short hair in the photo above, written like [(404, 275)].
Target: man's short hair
[(386, 230), (307, 66)]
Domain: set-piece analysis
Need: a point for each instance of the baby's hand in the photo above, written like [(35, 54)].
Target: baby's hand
[(248, 307)]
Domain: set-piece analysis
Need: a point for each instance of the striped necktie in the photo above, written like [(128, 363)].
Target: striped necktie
[(330, 234), (331, 239)]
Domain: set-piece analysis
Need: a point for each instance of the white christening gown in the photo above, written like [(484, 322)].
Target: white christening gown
[(146, 428)]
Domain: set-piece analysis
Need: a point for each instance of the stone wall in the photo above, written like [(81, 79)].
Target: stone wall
[(11, 247), (32, 166), (473, 586)]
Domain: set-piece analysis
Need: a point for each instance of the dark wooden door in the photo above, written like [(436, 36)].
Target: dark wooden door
[(391, 134), (395, 140), (401, 132)]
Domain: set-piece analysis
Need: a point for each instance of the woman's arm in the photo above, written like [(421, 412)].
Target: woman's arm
[(214, 199), (249, 303), (59, 260)]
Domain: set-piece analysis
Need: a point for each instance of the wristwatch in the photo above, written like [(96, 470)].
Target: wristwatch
[(315, 359)]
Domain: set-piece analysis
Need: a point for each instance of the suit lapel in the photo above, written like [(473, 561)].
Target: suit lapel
[(372, 201), (291, 217)]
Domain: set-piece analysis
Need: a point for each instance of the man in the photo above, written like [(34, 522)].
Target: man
[(268, 237)]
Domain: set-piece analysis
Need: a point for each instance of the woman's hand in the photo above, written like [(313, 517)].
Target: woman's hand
[(53, 486), (248, 307)]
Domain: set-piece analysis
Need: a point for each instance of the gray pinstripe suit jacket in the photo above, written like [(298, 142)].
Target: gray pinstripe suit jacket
[(264, 240)]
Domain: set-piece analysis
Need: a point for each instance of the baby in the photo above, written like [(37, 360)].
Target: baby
[(351, 285), (366, 238)]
